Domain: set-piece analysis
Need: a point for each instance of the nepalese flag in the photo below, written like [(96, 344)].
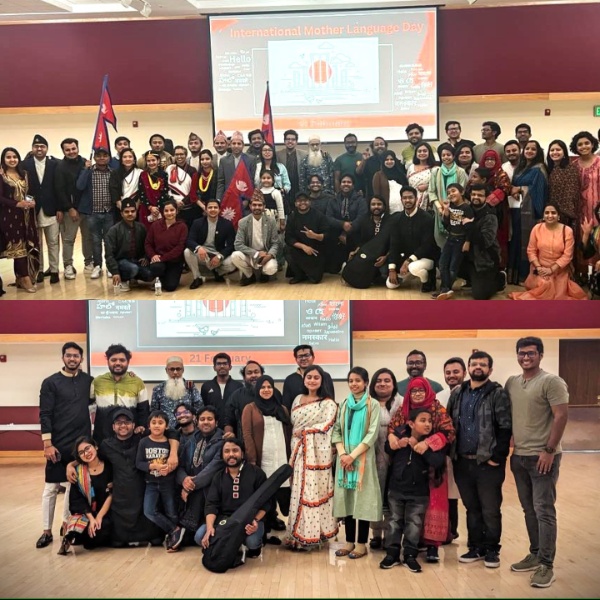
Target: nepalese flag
[(240, 188), (267, 122), (101, 136), (106, 107), (106, 114)]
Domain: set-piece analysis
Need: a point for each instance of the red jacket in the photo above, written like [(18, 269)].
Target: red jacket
[(166, 242)]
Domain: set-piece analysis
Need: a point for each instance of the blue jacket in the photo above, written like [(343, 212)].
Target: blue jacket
[(84, 185)]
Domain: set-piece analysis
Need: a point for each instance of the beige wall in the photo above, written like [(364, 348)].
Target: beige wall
[(29, 364), (568, 117)]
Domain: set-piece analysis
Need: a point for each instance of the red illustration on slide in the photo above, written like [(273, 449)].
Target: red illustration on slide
[(320, 71), (215, 306)]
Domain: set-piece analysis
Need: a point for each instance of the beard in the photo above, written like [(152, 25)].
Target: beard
[(175, 389), (315, 158), (479, 376)]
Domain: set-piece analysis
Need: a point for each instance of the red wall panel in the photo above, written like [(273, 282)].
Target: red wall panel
[(481, 51)]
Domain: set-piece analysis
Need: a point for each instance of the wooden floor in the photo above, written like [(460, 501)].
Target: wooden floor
[(331, 288), (150, 572)]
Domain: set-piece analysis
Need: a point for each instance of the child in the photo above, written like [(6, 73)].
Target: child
[(408, 494), (273, 198), (458, 217), (152, 455)]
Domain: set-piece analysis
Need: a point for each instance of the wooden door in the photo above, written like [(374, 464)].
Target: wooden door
[(579, 366)]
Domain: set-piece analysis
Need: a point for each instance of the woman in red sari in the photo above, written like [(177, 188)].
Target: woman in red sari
[(153, 190), (419, 394)]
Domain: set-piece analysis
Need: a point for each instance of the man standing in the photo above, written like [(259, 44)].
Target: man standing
[(490, 132), (64, 416), (416, 363), (540, 404), (453, 131), (512, 151), (168, 394), (414, 133), (125, 252), (118, 388), (121, 143), (294, 383), (218, 390), (67, 172), (291, 156), (229, 489), (232, 423), (317, 162), (157, 144), (455, 372), (370, 165), (41, 171), (229, 164), (347, 163), (305, 232), (220, 145), (209, 246), (480, 411), (195, 144), (256, 244), (523, 134), (413, 250), (256, 139)]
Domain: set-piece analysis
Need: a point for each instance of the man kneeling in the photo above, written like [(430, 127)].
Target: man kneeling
[(229, 489)]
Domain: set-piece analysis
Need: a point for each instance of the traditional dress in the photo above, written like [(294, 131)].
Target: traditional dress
[(203, 189), (564, 190), (550, 246), (18, 229), (590, 188), (153, 191), (311, 518), (417, 178)]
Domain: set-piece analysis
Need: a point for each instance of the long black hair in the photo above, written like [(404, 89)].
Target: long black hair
[(537, 160), (325, 391), (564, 161), (430, 159), (372, 392), (19, 167)]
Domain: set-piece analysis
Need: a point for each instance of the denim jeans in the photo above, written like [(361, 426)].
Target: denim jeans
[(130, 269), (450, 261), (537, 494), (252, 541), (99, 224), (406, 519), (162, 490), (480, 487)]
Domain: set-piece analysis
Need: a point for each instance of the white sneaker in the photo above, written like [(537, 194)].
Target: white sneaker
[(124, 286), (96, 272), (88, 269), (108, 275), (69, 272)]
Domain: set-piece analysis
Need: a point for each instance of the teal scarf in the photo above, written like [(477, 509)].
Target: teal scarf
[(448, 177), (354, 427)]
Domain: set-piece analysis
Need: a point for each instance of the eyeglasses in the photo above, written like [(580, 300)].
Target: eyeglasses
[(529, 354), (221, 364), (180, 413), (302, 356), (72, 355), (174, 369), (85, 450), (119, 423), (417, 391), (415, 363)]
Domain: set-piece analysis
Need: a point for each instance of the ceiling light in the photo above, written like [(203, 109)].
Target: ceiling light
[(146, 11), (471, 1)]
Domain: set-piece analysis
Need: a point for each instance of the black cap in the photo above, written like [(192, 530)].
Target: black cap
[(128, 203), (101, 149), (39, 139), (122, 412)]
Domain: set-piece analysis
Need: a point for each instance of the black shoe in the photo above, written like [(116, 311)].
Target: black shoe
[(377, 544), (295, 280), (175, 538), (219, 278), (47, 273), (45, 540), (244, 281), (426, 288), (411, 563), (274, 541), (389, 561), (262, 278), (502, 280), (53, 277), (278, 525), (40, 278), (472, 555), (253, 553), (196, 283), (432, 554), (64, 547), (492, 559)]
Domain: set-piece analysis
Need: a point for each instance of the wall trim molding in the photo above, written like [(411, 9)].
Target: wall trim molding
[(481, 334)]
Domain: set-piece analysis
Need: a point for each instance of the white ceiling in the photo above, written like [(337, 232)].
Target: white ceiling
[(69, 10)]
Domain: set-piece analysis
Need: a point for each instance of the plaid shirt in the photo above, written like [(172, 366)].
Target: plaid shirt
[(101, 201)]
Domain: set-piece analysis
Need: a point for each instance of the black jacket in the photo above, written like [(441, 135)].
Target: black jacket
[(67, 172), (118, 247), (211, 459), (224, 235), (484, 253), (412, 235), (44, 192), (211, 395), (495, 421)]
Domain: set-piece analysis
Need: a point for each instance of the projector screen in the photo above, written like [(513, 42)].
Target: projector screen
[(366, 72), (265, 331)]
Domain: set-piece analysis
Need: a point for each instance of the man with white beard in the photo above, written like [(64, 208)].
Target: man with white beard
[(175, 390), (317, 162)]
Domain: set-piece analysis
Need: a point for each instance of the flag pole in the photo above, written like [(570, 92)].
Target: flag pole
[(104, 84)]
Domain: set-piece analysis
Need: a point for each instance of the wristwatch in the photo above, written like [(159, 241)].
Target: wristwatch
[(549, 450)]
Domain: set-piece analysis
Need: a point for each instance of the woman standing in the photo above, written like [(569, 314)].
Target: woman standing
[(204, 188), (465, 158), (357, 495), (419, 394), (165, 243), (267, 431), (550, 251), (153, 190), (564, 186), (311, 519), (89, 499), (18, 230), (383, 388), (530, 183), (419, 173), (124, 181), (389, 181), (268, 162)]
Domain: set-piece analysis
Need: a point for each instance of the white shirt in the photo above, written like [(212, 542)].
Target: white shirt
[(40, 167), (257, 235), (273, 451), (509, 169), (395, 201)]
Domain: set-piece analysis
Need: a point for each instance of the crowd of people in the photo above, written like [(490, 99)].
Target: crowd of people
[(392, 457), (490, 213)]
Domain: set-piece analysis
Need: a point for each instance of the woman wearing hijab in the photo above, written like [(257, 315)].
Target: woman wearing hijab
[(267, 431), (357, 495), (419, 394), (389, 181)]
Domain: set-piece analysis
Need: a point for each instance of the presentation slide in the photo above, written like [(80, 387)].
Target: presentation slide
[(367, 72), (265, 331)]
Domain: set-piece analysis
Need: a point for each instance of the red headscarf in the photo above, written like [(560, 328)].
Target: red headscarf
[(417, 382), (497, 164)]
